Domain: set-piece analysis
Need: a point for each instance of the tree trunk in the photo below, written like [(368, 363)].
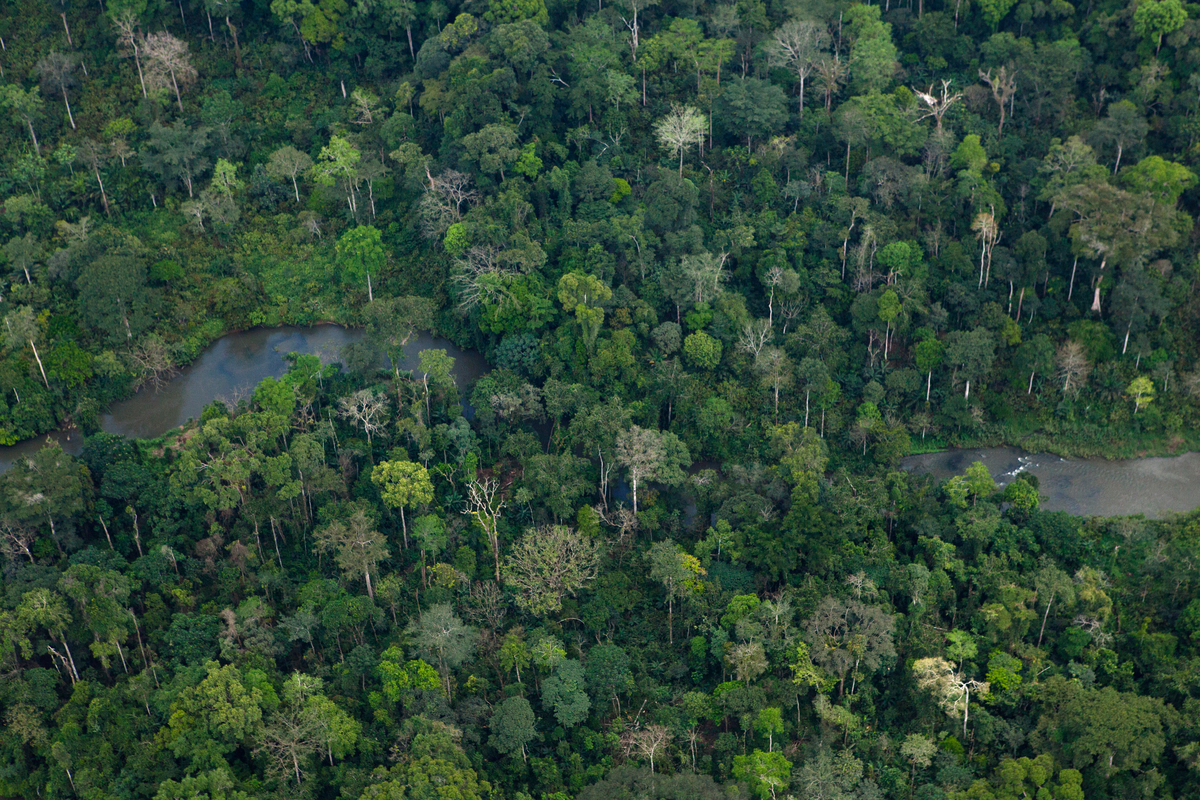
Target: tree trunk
[(404, 527), (67, 28), (928, 384), (39, 363), (1044, 618), (103, 196), (1030, 389), (370, 589), (967, 393), (70, 116), (178, 99)]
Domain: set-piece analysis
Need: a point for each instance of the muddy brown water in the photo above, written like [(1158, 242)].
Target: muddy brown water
[(230, 368), (1082, 486)]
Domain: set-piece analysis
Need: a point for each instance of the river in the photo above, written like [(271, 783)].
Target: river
[(230, 368), (233, 365), (1082, 486)]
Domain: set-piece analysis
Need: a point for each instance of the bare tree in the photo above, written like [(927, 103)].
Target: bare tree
[(367, 409), (987, 231), (152, 363), (485, 502), (755, 336), (130, 39), (444, 200), (950, 688), (56, 74), (798, 45), (646, 741), (1073, 366), (683, 127), (936, 106), (1003, 85), (93, 154), (168, 60)]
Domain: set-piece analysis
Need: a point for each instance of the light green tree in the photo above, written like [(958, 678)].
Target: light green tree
[(403, 484)]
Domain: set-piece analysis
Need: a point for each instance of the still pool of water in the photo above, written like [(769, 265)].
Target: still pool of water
[(230, 368), (1083, 486)]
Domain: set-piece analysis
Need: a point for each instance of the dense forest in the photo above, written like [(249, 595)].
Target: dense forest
[(728, 263)]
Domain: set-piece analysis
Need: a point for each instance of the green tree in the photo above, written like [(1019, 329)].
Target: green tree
[(768, 774), (403, 484), (564, 691), (512, 726), (210, 720), (702, 351), (678, 571), (1154, 19), (651, 455), (1141, 392), (359, 253)]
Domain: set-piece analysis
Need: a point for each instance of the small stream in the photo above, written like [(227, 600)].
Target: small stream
[(230, 368), (1082, 486)]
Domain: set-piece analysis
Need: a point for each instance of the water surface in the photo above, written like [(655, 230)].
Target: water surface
[(229, 370), (1082, 486)]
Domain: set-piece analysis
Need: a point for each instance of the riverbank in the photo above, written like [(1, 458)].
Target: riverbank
[(1153, 486)]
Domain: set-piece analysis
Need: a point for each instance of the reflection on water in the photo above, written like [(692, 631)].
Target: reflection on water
[(230, 369), (1083, 486)]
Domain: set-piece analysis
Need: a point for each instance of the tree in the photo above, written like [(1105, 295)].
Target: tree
[(1073, 366), (1035, 356), (21, 326), (1101, 728), (767, 773), (214, 717), (512, 726), (1141, 392), (585, 295), (918, 750), (676, 569), (873, 59), (337, 164), (650, 455), (403, 484), (1154, 19), (359, 253), (1122, 129), (850, 638), (564, 691), (176, 153), (366, 408), (928, 356), (358, 547), (550, 563), (288, 162), (971, 354), (752, 107), (25, 107), (493, 147), (702, 351), (607, 673), (683, 127), (168, 58), (769, 722), (950, 689), (439, 633), (56, 73), (798, 45)]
